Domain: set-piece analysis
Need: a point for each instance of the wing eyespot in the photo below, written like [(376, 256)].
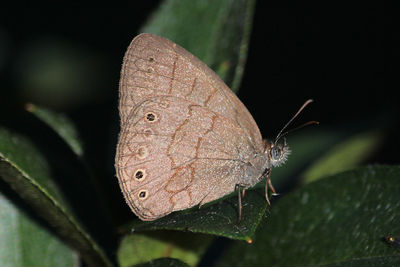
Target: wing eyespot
[(140, 175), (151, 117), (142, 152), (142, 194)]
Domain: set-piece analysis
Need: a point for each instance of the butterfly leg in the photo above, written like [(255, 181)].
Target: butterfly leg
[(241, 192), (268, 185)]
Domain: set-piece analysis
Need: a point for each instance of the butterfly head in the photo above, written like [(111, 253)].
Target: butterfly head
[(277, 153)]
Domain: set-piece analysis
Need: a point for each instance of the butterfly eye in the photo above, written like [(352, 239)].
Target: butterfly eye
[(275, 153)]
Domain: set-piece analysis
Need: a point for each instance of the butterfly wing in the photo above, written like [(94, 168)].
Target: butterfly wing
[(185, 138), (173, 154)]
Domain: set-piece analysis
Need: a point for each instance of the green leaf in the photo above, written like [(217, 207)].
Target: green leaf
[(61, 124), (367, 262), (140, 248), (221, 35), (24, 168), (24, 243), (337, 220), (345, 155), (163, 262), (18, 156)]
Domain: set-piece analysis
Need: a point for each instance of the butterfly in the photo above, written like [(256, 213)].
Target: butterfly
[(186, 139)]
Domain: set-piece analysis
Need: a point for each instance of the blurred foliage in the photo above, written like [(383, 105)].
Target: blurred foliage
[(23, 242), (61, 124), (58, 74), (59, 203), (345, 155), (140, 248), (24, 168), (221, 39)]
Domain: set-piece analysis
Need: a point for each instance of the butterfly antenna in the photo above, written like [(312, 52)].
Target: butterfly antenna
[(290, 121), (298, 127)]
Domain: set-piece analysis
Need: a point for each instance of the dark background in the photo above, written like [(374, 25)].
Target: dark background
[(344, 57)]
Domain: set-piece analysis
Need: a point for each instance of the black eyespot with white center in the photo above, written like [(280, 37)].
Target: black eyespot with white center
[(151, 117), (140, 175), (142, 194)]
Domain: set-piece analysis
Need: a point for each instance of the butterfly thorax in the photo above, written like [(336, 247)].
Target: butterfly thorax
[(274, 155), (252, 170)]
